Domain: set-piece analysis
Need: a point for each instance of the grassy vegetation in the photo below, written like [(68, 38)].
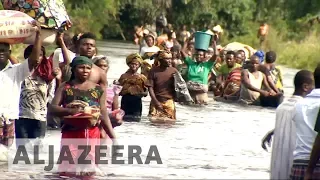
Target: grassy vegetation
[(18, 49), (300, 54)]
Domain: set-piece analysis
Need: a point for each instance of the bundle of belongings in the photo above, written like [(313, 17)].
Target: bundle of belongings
[(88, 117), (182, 94), (51, 14)]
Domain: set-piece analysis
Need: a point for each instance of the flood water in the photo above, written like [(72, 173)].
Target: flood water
[(217, 141)]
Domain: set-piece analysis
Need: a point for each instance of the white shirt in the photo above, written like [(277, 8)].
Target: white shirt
[(148, 49), (58, 57), (305, 118), (284, 139), (10, 82)]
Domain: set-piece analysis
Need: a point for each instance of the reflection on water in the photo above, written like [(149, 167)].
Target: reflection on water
[(218, 141)]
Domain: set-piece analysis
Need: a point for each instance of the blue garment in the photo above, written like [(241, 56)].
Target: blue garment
[(260, 54)]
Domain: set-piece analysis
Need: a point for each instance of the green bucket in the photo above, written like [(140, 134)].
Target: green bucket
[(202, 40)]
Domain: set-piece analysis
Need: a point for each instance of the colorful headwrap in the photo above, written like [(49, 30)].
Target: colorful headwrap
[(134, 58), (260, 55), (164, 55), (79, 60)]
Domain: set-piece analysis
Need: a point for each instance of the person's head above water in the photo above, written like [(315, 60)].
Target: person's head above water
[(150, 40), (238, 57), (87, 45), (134, 62), (253, 63), (102, 62), (230, 59), (303, 83), (165, 58), (175, 50), (271, 57), (200, 55), (243, 54), (4, 54), (81, 68)]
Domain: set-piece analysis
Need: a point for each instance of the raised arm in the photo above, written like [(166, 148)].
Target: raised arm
[(64, 50), (34, 59), (184, 50), (215, 56), (13, 60)]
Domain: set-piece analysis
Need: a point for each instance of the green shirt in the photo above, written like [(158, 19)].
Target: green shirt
[(225, 70), (198, 72)]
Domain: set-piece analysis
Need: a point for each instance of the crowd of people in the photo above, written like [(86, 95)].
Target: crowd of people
[(231, 75), (42, 90)]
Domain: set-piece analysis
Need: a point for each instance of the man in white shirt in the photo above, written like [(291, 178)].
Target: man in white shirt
[(284, 132), (11, 77), (305, 119)]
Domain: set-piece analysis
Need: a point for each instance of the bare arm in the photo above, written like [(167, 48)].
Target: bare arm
[(184, 51), (105, 121), (265, 83), (13, 60), (214, 57), (115, 103), (245, 81), (33, 59), (153, 96), (272, 85), (103, 78), (55, 107), (64, 50)]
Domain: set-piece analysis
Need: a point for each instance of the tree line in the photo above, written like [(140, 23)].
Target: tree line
[(117, 18)]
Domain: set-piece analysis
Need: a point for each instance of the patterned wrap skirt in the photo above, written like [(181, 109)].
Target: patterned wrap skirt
[(7, 132), (169, 110), (299, 169)]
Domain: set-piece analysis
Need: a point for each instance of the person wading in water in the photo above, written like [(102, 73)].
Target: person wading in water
[(284, 136), (87, 47), (161, 88)]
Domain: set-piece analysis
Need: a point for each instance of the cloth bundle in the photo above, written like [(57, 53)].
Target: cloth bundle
[(51, 14)]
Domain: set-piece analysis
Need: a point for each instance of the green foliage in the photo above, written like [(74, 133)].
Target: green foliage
[(90, 15), (294, 26)]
